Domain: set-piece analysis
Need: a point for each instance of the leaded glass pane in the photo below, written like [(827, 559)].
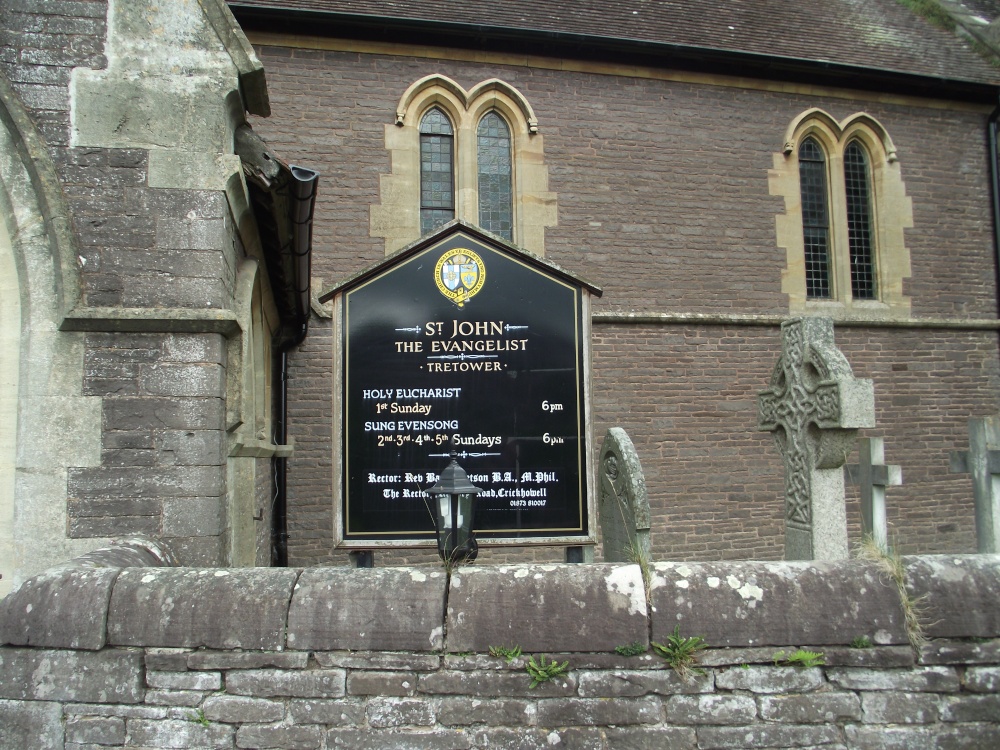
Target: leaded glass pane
[(859, 221), (496, 213), (437, 171), (815, 219)]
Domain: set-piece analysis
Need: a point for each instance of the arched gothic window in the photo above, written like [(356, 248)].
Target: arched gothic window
[(858, 189), (815, 218), (437, 170), (496, 212)]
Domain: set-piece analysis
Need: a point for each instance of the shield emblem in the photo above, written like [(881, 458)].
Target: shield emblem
[(470, 275), (450, 275)]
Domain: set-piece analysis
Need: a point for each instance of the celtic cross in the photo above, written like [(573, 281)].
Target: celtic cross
[(814, 408)]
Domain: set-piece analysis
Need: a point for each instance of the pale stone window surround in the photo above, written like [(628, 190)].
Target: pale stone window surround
[(397, 217), (892, 212)]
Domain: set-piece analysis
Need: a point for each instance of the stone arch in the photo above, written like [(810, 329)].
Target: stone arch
[(41, 366)]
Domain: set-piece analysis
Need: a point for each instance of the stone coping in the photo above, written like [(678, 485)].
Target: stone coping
[(542, 608)]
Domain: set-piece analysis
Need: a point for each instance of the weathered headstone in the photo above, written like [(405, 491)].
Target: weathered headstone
[(624, 504), (873, 475), (982, 460), (814, 408)]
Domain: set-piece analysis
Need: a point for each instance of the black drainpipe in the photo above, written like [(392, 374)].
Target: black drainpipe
[(991, 134), (290, 335)]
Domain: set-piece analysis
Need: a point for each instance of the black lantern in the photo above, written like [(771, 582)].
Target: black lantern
[(454, 498)]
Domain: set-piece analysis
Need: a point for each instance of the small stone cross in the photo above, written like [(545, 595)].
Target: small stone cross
[(982, 460), (814, 408), (873, 475)]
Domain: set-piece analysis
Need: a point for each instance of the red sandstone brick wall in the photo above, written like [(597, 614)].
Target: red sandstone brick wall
[(663, 200)]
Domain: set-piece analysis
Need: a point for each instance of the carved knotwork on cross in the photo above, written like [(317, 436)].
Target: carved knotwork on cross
[(814, 407)]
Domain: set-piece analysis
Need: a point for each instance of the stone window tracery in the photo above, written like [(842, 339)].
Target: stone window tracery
[(845, 212), (499, 180)]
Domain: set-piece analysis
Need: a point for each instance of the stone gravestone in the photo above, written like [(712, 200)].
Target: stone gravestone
[(814, 408), (873, 475), (624, 504), (982, 460)]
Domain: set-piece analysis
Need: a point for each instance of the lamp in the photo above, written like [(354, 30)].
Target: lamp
[(454, 498)]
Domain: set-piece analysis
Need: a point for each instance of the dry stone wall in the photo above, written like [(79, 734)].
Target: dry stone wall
[(163, 657)]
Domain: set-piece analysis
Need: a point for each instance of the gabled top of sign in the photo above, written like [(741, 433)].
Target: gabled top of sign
[(459, 278)]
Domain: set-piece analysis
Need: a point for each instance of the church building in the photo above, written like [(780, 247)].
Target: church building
[(181, 182)]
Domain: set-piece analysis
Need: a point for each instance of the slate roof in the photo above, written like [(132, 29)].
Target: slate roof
[(880, 35)]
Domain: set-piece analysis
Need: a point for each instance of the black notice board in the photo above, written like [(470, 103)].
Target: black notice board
[(469, 343)]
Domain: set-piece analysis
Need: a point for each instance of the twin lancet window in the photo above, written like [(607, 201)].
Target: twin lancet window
[(474, 155), (493, 170), (856, 183), (844, 218)]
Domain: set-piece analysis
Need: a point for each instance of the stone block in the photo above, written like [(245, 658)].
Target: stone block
[(184, 680), (116, 709), (776, 603), (60, 608), (399, 712), (900, 708), (884, 657), (286, 738), (167, 659), (108, 676), (960, 652), (770, 680), (971, 708), (392, 609), (179, 733), (571, 738), (367, 739), (378, 660), (245, 660), (276, 683), (644, 738), (547, 608), (381, 683), (964, 737), (983, 679), (201, 607), (619, 683), (165, 413), (237, 709), (175, 698), (784, 736), (192, 516), (919, 680), (710, 709), (462, 711), (494, 685), (960, 594), (184, 380), (175, 481), (333, 713), (814, 708), (96, 730), (35, 724), (597, 712)]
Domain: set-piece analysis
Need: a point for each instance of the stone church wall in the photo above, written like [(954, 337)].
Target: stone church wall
[(168, 658), (662, 185), (133, 107)]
